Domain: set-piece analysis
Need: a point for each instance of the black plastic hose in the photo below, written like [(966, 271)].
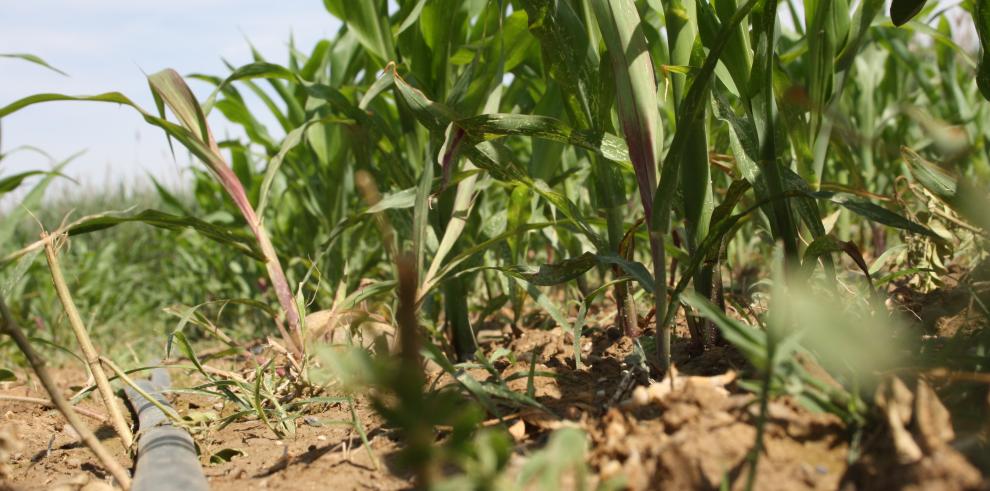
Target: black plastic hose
[(166, 457)]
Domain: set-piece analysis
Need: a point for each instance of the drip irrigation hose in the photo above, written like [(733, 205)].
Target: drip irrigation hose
[(166, 456)]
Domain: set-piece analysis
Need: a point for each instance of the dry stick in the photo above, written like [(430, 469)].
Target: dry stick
[(89, 351), (48, 403), (167, 411), (38, 365), (206, 368)]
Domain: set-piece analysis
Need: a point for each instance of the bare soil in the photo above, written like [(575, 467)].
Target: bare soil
[(693, 431)]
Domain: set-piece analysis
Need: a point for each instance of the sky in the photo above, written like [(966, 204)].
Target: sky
[(109, 45)]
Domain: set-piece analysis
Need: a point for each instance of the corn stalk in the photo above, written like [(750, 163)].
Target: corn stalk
[(636, 97)]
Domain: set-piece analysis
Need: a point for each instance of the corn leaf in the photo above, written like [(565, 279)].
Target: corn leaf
[(635, 90), (10, 183), (218, 234), (33, 59), (981, 16), (874, 212), (369, 22), (828, 244), (692, 108), (901, 11), (169, 90), (553, 274), (570, 58), (933, 178), (491, 126)]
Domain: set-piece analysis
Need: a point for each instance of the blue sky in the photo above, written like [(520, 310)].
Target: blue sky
[(106, 45)]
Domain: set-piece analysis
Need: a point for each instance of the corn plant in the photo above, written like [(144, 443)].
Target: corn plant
[(689, 80), (170, 91), (530, 150)]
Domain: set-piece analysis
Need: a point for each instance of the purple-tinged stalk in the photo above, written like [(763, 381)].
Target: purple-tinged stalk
[(636, 95), (169, 89)]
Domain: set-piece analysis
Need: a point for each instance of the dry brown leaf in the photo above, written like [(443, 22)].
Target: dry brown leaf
[(657, 392), (518, 430), (932, 421), (894, 399)]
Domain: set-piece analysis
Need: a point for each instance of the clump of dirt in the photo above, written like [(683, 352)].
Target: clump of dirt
[(10, 445), (49, 454), (692, 437), (323, 454), (913, 451), (953, 309), (693, 430), (699, 432), (699, 435)]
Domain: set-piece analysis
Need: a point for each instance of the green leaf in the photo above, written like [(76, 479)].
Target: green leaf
[(807, 208), (398, 200), (569, 269), (410, 19), (828, 244), (33, 59), (635, 90), (732, 196), (688, 115), (167, 197), (368, 20), (553, 274), (868, 11), (291, 141), (884, 258), (10, 183), (901, 11), (497, 159), (981, 17), (767, 121), (463, 199), (29, 203), (490, 126), (828, 29), (225, 455), (563, 455), (875, 212), (476, 250), (570, 58), (7, 375), (244, 244), (694, 182), (738, 55), (634, 269), (18, 272), (188, 351), (248, 72), (751, 342), (933, 178), (114, 97)]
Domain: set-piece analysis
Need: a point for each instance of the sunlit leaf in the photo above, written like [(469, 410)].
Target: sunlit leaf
[(33, 59)]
